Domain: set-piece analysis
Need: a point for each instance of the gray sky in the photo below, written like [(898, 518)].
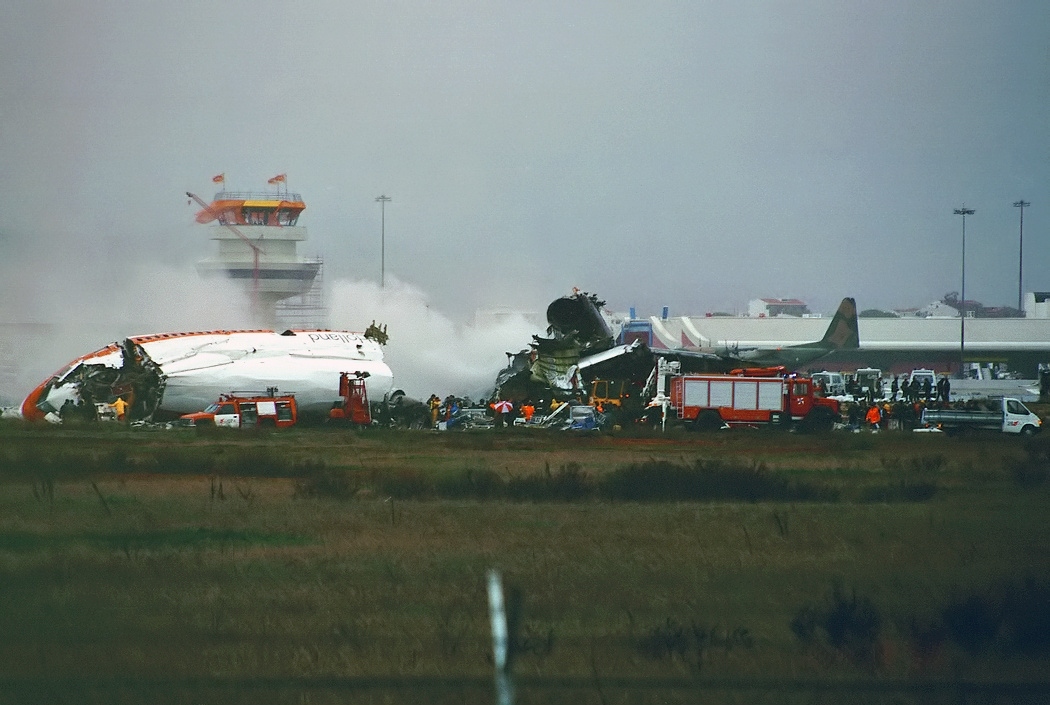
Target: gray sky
[(695, 154)]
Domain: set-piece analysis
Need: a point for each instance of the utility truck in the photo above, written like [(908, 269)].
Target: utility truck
[(751, 397), (1001, 414)]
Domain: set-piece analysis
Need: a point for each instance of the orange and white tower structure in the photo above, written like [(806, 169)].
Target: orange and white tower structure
[(257, 235)]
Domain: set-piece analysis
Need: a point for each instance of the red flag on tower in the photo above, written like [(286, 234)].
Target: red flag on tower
[(277, 179), (219, 178)]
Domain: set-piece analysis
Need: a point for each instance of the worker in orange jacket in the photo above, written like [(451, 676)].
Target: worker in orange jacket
[(873, 417)]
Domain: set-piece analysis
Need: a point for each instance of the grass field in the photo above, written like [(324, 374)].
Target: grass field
[(321, 566)]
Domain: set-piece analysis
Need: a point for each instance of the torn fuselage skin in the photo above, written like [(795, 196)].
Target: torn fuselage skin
[(119, 370), (551, 365)]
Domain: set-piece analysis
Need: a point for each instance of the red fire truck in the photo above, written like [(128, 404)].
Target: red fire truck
[(354, 406), (751, 397)]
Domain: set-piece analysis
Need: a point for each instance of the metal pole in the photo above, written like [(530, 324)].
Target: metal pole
[(964, 211), (500, 640), (382, 200), (1020, 253)]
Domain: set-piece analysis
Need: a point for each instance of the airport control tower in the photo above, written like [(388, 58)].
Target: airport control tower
[(257, 235)]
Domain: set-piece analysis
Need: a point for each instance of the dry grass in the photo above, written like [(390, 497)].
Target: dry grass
[(146, 576)]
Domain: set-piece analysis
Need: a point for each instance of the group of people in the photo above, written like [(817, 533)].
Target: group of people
[(84, 410), (909, 390), (502, 412), (914, 390), (876, 416)]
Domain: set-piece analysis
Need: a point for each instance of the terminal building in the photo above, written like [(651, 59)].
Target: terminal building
[(895, 345)]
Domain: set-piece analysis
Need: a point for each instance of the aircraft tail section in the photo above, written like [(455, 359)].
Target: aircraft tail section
[(843, 333)]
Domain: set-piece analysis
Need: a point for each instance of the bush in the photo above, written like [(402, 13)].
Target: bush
[(1013, 618), (258, 462), (849, 626), (406, 484), (569, 484), (671, 639), (1026, 616), (902, 492), (657, 480), (472, 483), (972, 622), (319, 481), (1034, 467)]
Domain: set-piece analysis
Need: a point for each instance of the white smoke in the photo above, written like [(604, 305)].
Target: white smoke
[(428, 352), (45, 322), (48, 319)]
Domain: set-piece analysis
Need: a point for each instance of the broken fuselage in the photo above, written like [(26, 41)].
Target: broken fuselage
[(165, 375)]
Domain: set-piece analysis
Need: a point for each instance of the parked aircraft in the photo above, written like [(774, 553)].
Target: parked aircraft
[(842, 334), (169, 374)]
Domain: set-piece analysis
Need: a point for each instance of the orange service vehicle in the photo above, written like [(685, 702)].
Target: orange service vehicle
[(234, 411)]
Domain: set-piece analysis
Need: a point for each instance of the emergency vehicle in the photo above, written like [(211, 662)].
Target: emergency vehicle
[(238, 411), (751, 397)]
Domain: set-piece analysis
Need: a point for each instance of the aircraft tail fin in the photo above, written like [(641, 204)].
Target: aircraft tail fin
[(843, 333)]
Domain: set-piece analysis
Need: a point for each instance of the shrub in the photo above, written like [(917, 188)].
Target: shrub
[(1009, 617), (406, 484), (972, 622), (258, 462), (671, 639), (849, 626), (1026, 616), (904, 491), (1034, 467), (322, 482), (705, 480), (477, 483), (927, 464), (570, 483)]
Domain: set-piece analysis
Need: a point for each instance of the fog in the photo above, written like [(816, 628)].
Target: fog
[(691, 154)]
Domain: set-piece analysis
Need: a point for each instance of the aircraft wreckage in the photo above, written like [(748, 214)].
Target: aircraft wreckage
[(165, 375), (580, 347)]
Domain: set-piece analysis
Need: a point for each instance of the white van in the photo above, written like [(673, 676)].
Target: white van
[(923, 375), (833, 382)]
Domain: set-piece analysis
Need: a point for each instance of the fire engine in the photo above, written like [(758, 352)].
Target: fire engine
[(354, 406), (236, 410), (750, 397)]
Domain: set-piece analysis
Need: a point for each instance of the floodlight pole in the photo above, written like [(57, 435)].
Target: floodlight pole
[(382, 200), (964, 211), (1020, 252)]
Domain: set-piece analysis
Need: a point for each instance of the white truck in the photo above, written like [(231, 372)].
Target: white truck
[(1001, 414)]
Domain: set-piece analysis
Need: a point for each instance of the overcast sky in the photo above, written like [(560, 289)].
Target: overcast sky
[(694, 154)]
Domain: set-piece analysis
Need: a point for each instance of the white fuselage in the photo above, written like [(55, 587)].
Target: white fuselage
[(195, 368)]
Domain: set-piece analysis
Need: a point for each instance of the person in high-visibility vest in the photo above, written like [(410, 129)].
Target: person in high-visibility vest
[(873, 417), (121, 407)]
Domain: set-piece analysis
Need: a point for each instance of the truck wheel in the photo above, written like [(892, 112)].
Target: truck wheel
[(819, 420), (1028, 431), (708, 421)]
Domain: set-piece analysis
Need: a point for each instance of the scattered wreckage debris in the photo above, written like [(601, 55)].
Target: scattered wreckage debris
[(579, 361), (579, 349), (550, 367)]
